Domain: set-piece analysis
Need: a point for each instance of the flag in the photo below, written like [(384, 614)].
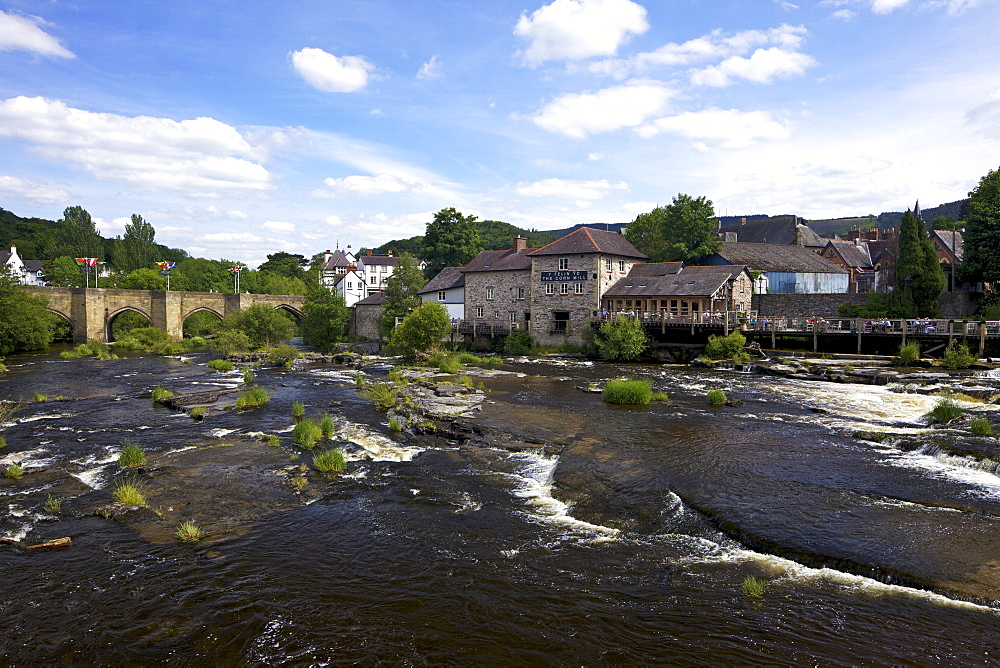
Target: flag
[(87, 261), (235, 269), (165, 266)]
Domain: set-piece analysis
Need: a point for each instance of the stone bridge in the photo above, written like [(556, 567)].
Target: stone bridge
[(91, 311)]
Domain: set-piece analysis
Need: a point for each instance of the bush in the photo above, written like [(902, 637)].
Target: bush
[(231, 342), (518, 343), (39, 397), (220, 365), (15, 471), (330, 461), (946, 411), (160, 393), (306, 433), (621, 339), (130, 494), (298, 409), (957, 357), (908, 354), (261, 324), (283, 355), (53, 504), (326, 425), (727, 347), (132, 455), (148, 338), (273, 441), (247, 375), (716, 398), (188, 532), (395, 425), (628, 392), (981, 427), (659, 396), (198, 412), (256, 397), (3, 442), (469, 358), (382, 395)]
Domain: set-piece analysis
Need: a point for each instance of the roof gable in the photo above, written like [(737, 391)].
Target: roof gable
[(852, 254), (447, 278), (500, 260), (776, 258), (694, 281)]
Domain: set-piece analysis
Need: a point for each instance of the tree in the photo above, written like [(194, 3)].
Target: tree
[(285, 264), (981, 259), (137, 249), (421, 330), (76, 235), (450, 240), (145, 278), (621, 339), (63, 272), (944, 223), (325, 319), (685, 229), (401, 292), (919, 277), (25, 321), (263, 325)]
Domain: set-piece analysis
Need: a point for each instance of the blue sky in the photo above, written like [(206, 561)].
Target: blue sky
[(243, 128)]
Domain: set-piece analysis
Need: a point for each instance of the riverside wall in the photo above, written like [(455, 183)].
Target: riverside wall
[(953, 304)]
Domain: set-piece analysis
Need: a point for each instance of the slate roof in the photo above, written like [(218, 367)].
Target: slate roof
[(338, 258), (774, 257), (500, 260), (372, 300), (4, 257), (447, 278), (590, 240), (947, 239), (694, 281), (655, 268), (783, 230), (375, 260), (853, 255), (33, 265)]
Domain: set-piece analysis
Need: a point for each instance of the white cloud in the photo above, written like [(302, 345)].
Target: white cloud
[(577, 115), (719, 128), (330, 74), (21, 33), (570, 189), (580, 29), (843, 14), (363, 185), (635, 208), (333, 221), (114, 227), (200, 157), (986, 114), (764, 66), (431, 69), (36, 192), (887, 6), (277, 227), (236, 214)]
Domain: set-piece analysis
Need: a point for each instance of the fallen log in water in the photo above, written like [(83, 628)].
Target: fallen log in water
[(55, 544)]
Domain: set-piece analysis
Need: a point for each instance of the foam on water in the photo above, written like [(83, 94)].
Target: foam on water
[(956, 468), (378, 447)]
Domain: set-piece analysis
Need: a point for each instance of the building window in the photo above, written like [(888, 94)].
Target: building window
[(513, 317), (564, 288), (479, 311), (442, 296), (563, 263), (349, 285), (520, 293), (579, 288), (489, 293), (607, 264), (550, 288), (496, 314), (621, 266)]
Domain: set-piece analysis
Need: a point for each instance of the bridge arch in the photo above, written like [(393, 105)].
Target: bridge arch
[(65, 318), (109, 321), (291, 310)]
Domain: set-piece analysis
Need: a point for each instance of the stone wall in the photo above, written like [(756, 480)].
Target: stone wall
[(505, 286), (953, 304), (364, 322)]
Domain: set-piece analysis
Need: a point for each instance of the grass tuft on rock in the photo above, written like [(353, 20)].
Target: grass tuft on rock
[(198, 412), (382, 395), (946, 411), (15, 471), (220, 365), (188, 532), (53, 504), (628, 392), (306, 433), (160, 393), (132, 455), (753, 587), (981, 426), (130, 494), (395, 425), (273, 441), (327, 425), (298, 409), (252, 398), (247, 375), (330, 461), (716, 398)]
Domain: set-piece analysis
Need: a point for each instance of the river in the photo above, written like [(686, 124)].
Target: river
[(625, 539)]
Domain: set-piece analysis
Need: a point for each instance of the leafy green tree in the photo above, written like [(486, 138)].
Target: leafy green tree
[(63, 272), (401, 292), (200, 275), (76, 235), (145, 278), (137, 249), (622, 339), (450, 240), (414, 246), (272, 283), (685, 229), (25, 321), (981, 259), (325, 319), (285, 264), (944, 223), (919, 277), (424, 328), (262, 324)]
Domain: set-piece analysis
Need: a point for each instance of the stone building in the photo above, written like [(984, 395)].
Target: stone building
[(498, 286), (367, 313), (568, 278), (853, 256), (684, 291)]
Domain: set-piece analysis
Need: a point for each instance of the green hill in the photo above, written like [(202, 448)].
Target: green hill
[(493, 235)]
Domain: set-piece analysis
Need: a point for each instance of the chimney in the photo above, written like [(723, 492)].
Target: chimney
[(326, 256), (520, 243), (369, 252)]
